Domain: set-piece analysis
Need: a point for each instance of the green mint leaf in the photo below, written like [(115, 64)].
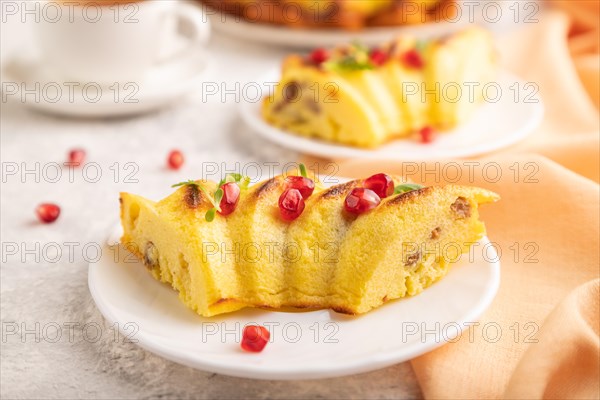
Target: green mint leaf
[(359, 46), (302, 168), (185, 183), (218, 196), (420, 45), (214, 200), (233, 178), (244, 182), (407, 187), (210, 197), (351, 63), (210, 215), (348, 64), (236, 177)]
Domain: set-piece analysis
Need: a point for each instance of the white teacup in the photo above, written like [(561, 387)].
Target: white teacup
[(108, 41)]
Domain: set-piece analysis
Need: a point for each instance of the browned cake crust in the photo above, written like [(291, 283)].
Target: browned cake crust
[(333, 14)]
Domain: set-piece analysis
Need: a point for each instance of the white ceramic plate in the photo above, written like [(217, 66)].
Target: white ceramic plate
[(493, 126), (311, 38), (304, 345), (474, 13)]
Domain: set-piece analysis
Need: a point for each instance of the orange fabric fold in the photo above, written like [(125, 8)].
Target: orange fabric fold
[(565, 360), (539, 53), (584, 42), (546, 227)]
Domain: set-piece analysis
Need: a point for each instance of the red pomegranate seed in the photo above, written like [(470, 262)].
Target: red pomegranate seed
[(255, 338), (378, 57), (47, 212), (175, 160), (318, 56), (231, 196), (381, 184), (426, 134), (76, 156), (413, 59), (306, 186), (291, 204), (361, 200)]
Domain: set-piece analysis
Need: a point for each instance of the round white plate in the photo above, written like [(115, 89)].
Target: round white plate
[(496, 16), (493, 126), (311, 38), (30, 81), (304, 345)]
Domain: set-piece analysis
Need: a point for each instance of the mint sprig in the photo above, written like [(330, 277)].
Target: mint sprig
[(349, 63), (215, 199), (421, 45), (210, 214), (407, 187), (242, 180), (302, 169), (218, 196), (353, 58), (357, 45), (189, 182)]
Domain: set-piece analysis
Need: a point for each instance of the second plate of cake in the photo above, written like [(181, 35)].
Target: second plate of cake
[(405, 99), (495, 125)]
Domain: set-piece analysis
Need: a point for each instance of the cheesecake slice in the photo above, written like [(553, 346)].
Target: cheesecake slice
[(364, 97), (179, 247), (406, 244), (327, 257), (335, 14)]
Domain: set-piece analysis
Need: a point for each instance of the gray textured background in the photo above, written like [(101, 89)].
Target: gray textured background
[(52, 292), (108, 369)]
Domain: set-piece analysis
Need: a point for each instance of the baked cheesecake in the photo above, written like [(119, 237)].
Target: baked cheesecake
[(335, 14), (364, 97), (288, 242)]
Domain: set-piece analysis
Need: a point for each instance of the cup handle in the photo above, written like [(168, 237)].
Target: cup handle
[(198, 21)]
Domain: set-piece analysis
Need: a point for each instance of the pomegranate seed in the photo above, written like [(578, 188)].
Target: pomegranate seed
[(255, 338), (231, 196), (361, 200), (426, 134), (413, 59), (47, 212), (175, 160), (318, 56), (291, 204), (378, 57), (306, 186), (76, 157), (381, 184)]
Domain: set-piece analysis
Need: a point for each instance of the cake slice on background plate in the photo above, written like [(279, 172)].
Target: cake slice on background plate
[(364, 97), (335, 14)]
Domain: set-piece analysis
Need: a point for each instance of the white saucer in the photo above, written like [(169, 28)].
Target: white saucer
[(305, 345), (37, 86), (492, 127)]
